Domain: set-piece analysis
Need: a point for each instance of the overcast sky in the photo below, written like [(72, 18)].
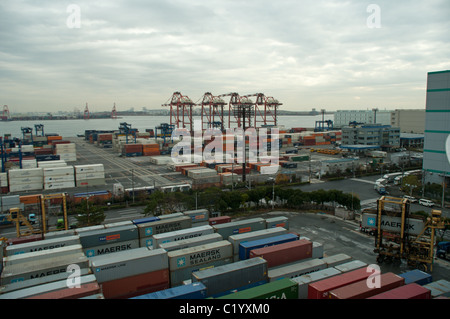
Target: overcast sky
[(305, 53)]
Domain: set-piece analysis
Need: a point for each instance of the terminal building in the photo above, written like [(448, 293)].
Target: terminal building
[(436, 163), (372, 136)]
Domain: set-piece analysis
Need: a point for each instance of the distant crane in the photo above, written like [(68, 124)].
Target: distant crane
[(212, 112), (5, 115), (114, 112), (86, 112)]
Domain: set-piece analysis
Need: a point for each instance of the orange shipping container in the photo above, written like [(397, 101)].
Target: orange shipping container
[(30, 199)]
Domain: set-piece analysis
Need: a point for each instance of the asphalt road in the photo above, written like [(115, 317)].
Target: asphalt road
[(363, 188)]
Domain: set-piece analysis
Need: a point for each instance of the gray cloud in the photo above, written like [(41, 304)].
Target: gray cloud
[(137, 53)]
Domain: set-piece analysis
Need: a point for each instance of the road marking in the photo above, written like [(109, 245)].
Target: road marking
[(362, 180)]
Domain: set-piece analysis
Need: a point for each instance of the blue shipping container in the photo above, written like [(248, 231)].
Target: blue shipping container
[(195, 290), (246, 247), (416, 276), (145, 220)]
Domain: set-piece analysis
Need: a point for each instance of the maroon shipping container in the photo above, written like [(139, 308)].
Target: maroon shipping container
[(60, 142), (71, 293), (23, 240), (136, 285), (219, 220), (361, 289), (410, 291), (43, 151), (284, 253), (132, 148), (320, 289)]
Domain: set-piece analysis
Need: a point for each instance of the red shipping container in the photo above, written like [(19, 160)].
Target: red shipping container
[(219, 220), (284, 253), (133, 286), (410, 291), (71, 293), (132, 148), (361, 289), (320, 289), (23, 240)]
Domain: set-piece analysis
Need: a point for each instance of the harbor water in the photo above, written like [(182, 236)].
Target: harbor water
[(72, 128)]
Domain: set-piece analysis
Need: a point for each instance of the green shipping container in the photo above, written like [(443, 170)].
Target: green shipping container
[(279, 289), (300, 158)]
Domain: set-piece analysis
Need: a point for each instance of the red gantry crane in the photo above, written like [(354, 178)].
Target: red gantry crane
[(212, 112), (181, 111), (86, 114)]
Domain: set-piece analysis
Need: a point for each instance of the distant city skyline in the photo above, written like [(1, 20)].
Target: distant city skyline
[(330, 54)]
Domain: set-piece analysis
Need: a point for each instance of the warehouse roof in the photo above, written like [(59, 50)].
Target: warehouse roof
[(411, 136)]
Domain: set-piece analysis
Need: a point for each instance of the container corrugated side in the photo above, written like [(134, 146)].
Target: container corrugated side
[(198, 215), (233, 277), (192, 242), (40, 268), (361, 290), (337, 259), (42, 254), (438, 287), (181, 235), (164, 226), (235, 240), (351, 265), (111, 248), (409, 291), (296, 269), (191, 291), (279, 289), (320, 289), (246, 247), (239, 227), (40, 281), (109, 236), (304, 280), (280, 221), (178, 276), (198, 255), (417, 276), (42, 245), (46, 288), (136, 285), (128, 263), (284, 253)]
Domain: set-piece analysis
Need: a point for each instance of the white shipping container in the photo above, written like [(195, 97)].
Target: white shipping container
[(30, 172), (57, 171), (351, 265), (25, 180), (92, 175), (68, 157), (181, 234), (55, 163), (25, 187), (42, 254), (59, 185), (337, 259), (57, 179), (89, 168)]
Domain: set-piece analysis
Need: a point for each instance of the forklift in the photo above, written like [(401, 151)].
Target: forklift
[(394, 246)]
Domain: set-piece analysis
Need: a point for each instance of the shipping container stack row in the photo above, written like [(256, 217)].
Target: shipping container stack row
[(187, 255), (53, 175)]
